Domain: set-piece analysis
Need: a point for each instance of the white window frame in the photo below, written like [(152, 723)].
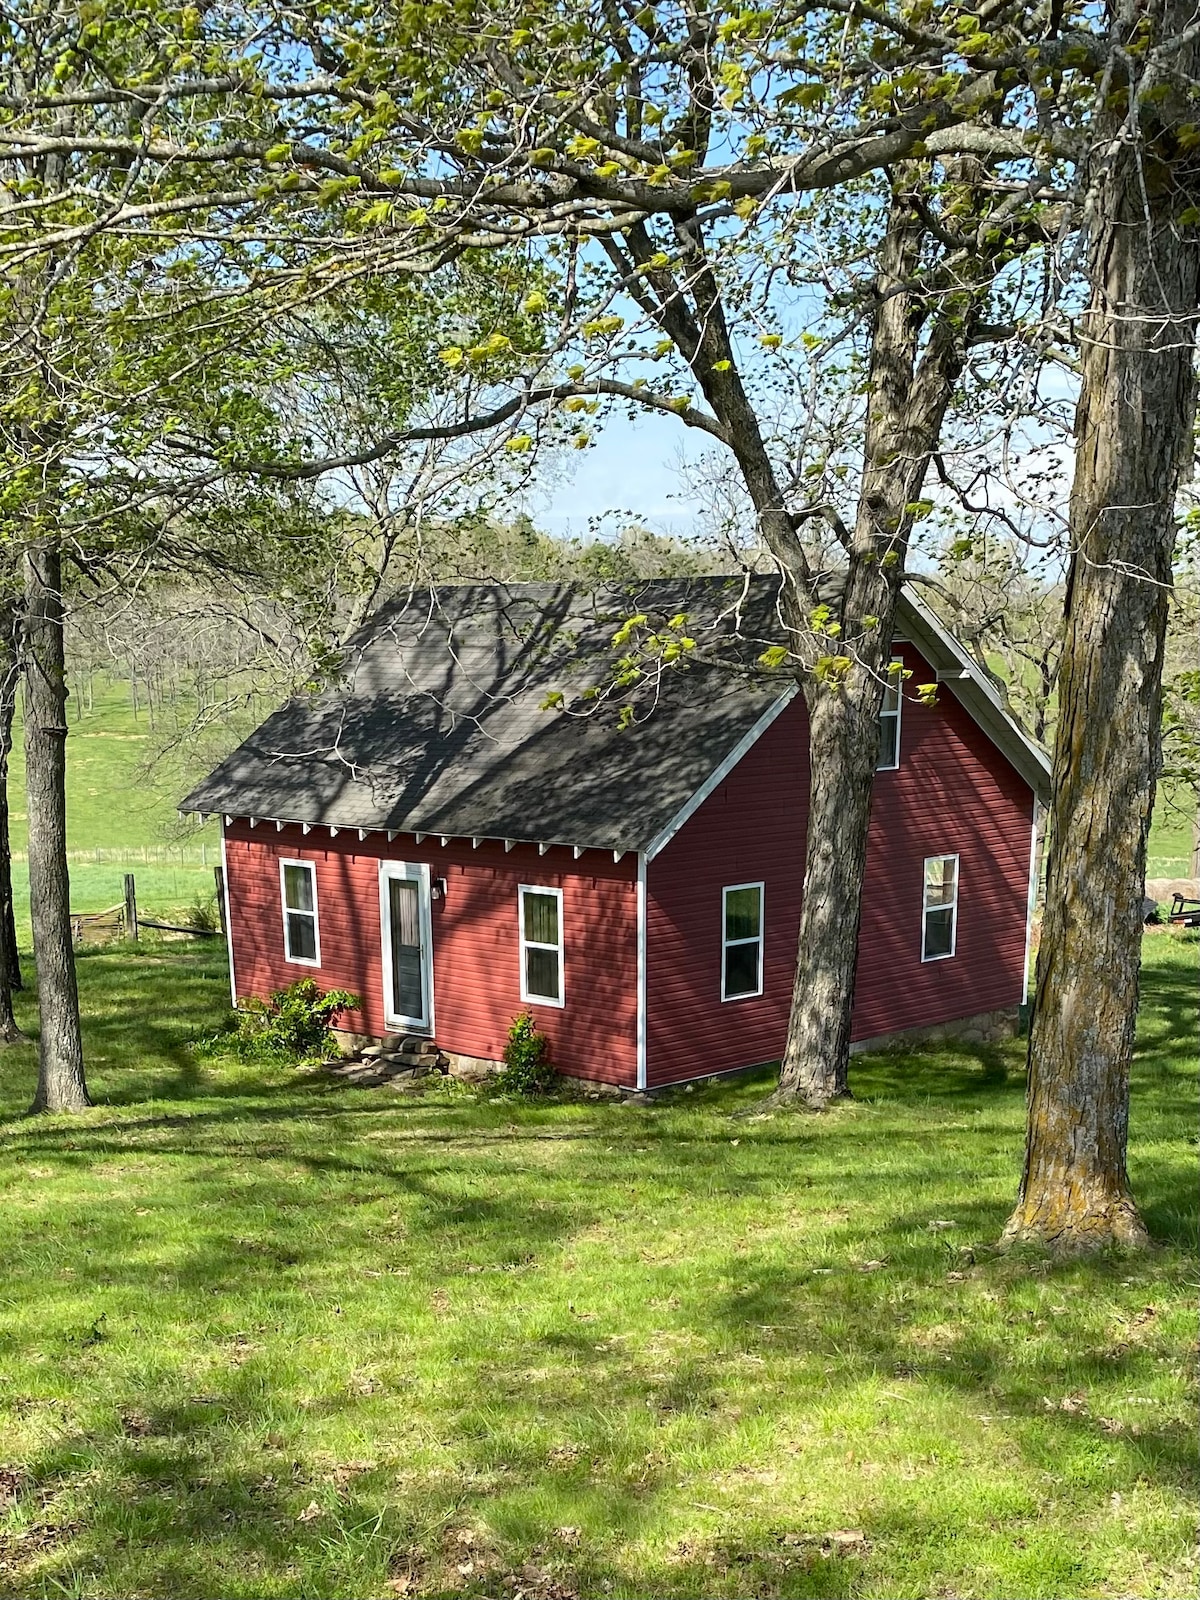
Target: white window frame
[(536, 944), (951, 906), (759, 939), (416, 872), (898, 679), (311, 868)]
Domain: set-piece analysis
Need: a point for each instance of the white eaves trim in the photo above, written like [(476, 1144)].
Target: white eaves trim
[(688, 810), (1010, 738)]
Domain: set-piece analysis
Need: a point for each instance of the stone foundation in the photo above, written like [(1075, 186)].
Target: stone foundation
[(986, 1027), (471, 1069)]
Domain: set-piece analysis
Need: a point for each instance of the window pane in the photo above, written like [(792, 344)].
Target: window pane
[(891, 693), (889, 734), (297, 888), (302, 936), (741, 969), (741, 913), (408, 990), (939, 933), (541, 974), (941, 873), (541, 918), (406, 927)]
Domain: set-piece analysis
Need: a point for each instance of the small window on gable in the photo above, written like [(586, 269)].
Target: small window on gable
[(939, 917), (889, 719), (541, 946), (742, 941), (298, 885)]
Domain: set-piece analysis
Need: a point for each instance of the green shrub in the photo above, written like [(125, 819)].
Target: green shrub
[(294, 1023), (203, 915), (526, 1069)]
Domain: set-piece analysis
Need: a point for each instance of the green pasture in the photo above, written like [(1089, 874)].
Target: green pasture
[(263, 1334), (121, 817)]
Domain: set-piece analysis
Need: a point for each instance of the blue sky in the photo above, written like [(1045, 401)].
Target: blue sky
[(634, 472)]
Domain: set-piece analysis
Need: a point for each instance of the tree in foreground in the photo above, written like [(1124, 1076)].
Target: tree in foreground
[(1134, 433)]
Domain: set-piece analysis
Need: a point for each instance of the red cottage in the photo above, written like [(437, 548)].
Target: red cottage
[(463, 830)]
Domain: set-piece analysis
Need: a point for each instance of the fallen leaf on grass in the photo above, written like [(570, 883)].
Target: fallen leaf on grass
[(941, 1222), (311, 1512), (871, 1266)]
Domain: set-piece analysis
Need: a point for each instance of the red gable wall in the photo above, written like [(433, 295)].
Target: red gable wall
[(476, 952), (953, 793)]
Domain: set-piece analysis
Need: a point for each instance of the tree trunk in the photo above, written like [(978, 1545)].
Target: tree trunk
[(1133, 424), (10, 968), (61, 1084), (907, 402), (10, 960)]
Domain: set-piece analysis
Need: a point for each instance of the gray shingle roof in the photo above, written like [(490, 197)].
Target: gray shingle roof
[(437, 726)]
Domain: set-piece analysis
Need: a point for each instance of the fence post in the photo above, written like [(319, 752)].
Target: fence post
[(219, 879), (131, 916)]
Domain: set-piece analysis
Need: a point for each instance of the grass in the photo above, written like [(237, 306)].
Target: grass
[(1169, 850), (118, 802), (267, 1335)]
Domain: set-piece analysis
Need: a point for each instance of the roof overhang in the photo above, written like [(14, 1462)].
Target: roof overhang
[(970, 686)]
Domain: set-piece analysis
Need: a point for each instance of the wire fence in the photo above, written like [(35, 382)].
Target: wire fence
[(146, 855)]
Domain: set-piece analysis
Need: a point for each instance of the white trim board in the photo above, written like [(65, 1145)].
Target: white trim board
[(411, 872), (1031, 906), (228, 918), (641, 970), (688, 810)]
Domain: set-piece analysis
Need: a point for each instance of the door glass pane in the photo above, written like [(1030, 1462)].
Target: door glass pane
[(302, 936), (741, 969), (541, 974), (741, 913), (541, 918), (939, 932), (297, 888), (408, 987)]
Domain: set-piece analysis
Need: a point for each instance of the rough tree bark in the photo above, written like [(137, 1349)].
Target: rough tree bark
[(61, 1083), (1133, 424), (844, 694), (10, 961), (10, 969)]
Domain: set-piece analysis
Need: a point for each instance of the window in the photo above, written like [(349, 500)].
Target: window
[(741, 941), (541, 946), (939, 918), (298, 883), (889, 719)]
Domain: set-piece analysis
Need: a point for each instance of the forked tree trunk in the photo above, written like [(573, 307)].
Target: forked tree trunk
[(61, 1083), (1132, 426)]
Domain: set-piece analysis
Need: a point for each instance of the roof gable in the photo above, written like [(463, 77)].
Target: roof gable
[(438, 725)]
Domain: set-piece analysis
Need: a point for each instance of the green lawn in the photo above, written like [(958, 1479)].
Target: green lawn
[(264, 1335), (121, 806)]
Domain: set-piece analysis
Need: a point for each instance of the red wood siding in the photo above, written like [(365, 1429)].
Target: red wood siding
[(476, 960), (953, 793)]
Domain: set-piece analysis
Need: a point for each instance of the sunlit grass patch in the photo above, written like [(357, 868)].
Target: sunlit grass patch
[(266, 1335)]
